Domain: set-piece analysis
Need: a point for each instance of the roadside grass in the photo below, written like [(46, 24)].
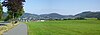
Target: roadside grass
[(7, 27), (65, 27)]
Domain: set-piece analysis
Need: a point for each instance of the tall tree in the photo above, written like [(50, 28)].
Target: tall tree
[(1, 11), (15, 8)]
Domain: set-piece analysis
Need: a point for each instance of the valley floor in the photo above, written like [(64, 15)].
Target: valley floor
[(65, 27)]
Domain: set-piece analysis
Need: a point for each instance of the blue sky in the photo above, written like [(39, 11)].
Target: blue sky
[(64, 7)]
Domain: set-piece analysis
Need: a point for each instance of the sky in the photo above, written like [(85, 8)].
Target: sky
[(64, 7)]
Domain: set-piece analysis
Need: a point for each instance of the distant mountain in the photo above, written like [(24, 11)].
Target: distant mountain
[(43, 16), (89, 14), (29, 15), (69, 16), (86, 14), (52, 15)]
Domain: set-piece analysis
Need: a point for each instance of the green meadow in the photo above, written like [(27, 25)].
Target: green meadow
[(64, 27)]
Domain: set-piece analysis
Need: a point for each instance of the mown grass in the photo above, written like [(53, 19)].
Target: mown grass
[(65, 27)]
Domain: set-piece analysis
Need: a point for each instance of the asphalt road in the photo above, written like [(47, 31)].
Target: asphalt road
[(21, 29)]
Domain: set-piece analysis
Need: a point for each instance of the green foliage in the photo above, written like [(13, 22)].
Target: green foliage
[(15, 8), (10, 16), (98, 18), (66, 27), (1, 11), (79, 18), (89, 14), (18, 14)]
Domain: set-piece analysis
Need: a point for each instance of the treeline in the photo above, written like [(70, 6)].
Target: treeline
[(78, 18), (89, 14), (98, 18)]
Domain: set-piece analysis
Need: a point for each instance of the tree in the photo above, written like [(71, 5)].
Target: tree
[(14, 7), (79, 18), (98, 18), (1, 11)]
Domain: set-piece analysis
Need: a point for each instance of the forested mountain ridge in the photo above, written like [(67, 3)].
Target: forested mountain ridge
[(89, 14), (86, 14)]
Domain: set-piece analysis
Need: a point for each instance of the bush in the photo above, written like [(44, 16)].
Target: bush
[(57, 19), (79, 18), (64, 19), (98, 18)]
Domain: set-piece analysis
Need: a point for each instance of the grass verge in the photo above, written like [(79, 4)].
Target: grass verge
[(7, 27)]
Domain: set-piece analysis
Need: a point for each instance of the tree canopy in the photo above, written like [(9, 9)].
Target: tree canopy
[(14, 7), (1, 11)]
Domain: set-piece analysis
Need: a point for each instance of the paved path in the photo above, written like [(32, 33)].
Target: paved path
[(21, 29)]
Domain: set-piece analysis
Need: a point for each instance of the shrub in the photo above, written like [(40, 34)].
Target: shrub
[(57, 19), (64, 19), (79, 18), (98, 18)]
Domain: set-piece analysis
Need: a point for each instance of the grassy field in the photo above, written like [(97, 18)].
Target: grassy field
[(66, 27)]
